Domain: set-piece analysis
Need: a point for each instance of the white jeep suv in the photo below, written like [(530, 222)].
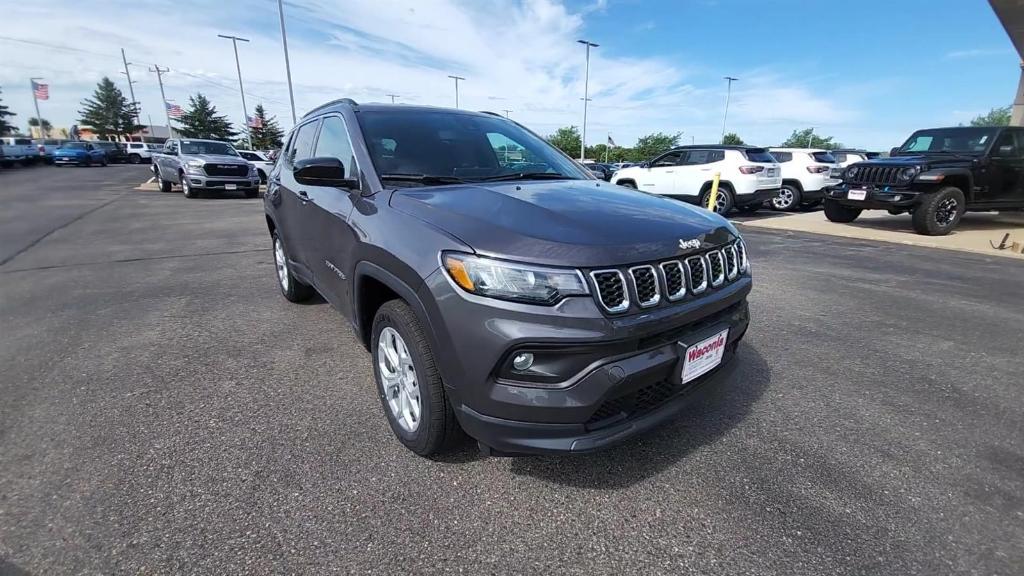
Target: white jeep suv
[(806, 175), (749, 176)]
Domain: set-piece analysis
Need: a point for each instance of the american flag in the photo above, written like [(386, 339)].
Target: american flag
[(254, 121), (40, 91), (173, 110)]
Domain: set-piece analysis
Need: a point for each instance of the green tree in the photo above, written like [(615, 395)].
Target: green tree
[(806, 138), (732, 139), (995, 117), (649, 146), (33, 121), (108, 112), (5, 126), (267, 135), (202, 121), (567, 140)]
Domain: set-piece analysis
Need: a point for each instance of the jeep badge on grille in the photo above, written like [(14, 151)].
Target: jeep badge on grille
[(689, 244)]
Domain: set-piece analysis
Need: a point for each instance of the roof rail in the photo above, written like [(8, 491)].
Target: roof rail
[(348, 101), (491, 113)]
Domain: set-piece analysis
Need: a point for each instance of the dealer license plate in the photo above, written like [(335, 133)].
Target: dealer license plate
[(857, 194), (704, 356), (231, 186)]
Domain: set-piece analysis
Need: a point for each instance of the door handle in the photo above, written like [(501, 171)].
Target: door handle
[(303, 195), (669, 171)]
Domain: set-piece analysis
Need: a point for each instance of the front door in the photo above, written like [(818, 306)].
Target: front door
[(1006, 169), (660, 176), (331, 238), (291, 199)]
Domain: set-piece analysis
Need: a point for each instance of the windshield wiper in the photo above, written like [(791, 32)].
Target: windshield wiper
[(424, 178), (528, 176)]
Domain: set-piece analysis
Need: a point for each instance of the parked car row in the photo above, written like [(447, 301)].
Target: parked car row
[(27, 151)]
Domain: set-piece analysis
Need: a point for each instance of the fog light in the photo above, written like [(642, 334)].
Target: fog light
[(522, 361), (897, 198)]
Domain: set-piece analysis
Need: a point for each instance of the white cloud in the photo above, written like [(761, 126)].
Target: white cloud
[(520, 55), (977, 53)]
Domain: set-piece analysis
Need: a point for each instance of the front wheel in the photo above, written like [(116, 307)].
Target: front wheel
[(787, 199), (836, 212), (135, 159), (408, 382), (939, 212), (723, 201), (186, 187)]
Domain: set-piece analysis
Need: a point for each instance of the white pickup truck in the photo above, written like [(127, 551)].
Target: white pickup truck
[(18, 149)]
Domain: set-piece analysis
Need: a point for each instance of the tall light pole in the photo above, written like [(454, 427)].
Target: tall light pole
[(586, 97), (393, 96), (506, 112), (810, 137), (728, 94), (241, 90), (287, 64), (456, 78), (160, 80), (131, 89)]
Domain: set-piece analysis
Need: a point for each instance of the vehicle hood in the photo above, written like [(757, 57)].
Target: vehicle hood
[(925, 160), (580, 223), (216, 158)]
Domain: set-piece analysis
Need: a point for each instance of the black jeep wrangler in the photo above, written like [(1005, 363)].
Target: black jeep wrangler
[(936, 176)]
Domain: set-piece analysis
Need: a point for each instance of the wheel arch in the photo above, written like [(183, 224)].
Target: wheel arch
[(793, 182), (372, 287), (721, 184)]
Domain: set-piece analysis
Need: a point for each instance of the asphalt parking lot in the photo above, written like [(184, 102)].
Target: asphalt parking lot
[(166, 411)]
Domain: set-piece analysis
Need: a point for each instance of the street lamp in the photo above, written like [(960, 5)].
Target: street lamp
[(456, 78), (586, 97), (728, 94), (241, 90), (392, 96), (810, 138), (287, 64)]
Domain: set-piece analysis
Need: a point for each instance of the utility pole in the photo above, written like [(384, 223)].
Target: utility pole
[(39, 117), (241, 90), (131, 89), (456, 78), (586, 97), (728, 94), (810, 138), (506, 112), (160, 80), (151, 134), (287, 64), (393, 96)]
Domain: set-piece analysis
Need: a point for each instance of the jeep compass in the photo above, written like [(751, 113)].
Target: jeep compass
[(500, 288)]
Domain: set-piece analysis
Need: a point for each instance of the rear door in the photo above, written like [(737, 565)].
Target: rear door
[(1005, 169), (660, 176), (292, 198), (696, 168), (331, 238)]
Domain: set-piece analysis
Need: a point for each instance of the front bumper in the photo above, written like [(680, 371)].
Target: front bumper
[(70, 160), (885, 198), (202, 181), (630, 385)]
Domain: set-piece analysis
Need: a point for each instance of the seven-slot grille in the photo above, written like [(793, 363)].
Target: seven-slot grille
[(693, 275), (214, 169), (874, 175)]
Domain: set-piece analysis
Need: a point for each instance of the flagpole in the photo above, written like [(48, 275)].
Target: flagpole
[(39, 117)]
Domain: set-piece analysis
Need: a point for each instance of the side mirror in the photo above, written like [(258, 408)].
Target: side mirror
[(893, 151), (323, 171), (1005, 150), (644, 164)]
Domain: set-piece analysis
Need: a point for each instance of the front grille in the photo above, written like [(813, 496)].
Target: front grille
[(213, 169), (646, 282), (674, 282), (672, 278), (879, 175), (611, 289)]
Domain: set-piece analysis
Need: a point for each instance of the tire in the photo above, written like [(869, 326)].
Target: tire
[(787, 200), (628, 184), (293, 289), (434, 428), (723, 203), (103, 162), (252, 193), (165, 185), (939, 212), (836, 212), (263, 176), (186, 187), (135, 159)]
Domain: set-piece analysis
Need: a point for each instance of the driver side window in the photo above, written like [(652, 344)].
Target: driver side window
[(670, 159), (1007, 146)]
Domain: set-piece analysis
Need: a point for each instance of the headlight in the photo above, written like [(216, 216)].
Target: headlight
[(513, 281), (851, 172), (907, 174), (195, 164)]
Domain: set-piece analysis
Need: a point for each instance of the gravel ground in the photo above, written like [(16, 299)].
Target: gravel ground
[(164, 410)]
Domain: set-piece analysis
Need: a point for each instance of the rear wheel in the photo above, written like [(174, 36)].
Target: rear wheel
[(165, 185), (408, 382), (134, 158), (939, 212), (723, 201), (628, 184), (263, 176), (787, 199), (293, 289), (836, 212)]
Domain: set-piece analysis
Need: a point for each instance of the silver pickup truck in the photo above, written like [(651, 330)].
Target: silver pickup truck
[(199, 165)]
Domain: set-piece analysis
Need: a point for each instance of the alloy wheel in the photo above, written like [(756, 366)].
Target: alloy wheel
[(398, 379), (783, 200), (945, 213), (281, 262)]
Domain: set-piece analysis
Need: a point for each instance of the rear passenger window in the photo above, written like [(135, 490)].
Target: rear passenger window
[(334, 143), (839, 156), (302, 142), (782, 156), (694, 157), (823, 157), (759, 155)]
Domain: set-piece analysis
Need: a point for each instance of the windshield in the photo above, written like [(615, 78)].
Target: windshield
[(215, 148), (74, 146), (463, 146), (957, 140)]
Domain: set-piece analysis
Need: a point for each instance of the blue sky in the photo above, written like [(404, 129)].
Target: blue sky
[(866, 72)]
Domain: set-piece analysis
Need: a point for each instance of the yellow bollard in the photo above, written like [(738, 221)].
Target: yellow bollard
[(714, 192)]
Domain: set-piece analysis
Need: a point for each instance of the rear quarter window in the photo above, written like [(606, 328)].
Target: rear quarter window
[(824, 157), (759, 155), (782, 156)]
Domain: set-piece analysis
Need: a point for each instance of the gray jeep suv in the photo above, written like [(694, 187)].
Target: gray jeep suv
[(500, 288), (200, 165)]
